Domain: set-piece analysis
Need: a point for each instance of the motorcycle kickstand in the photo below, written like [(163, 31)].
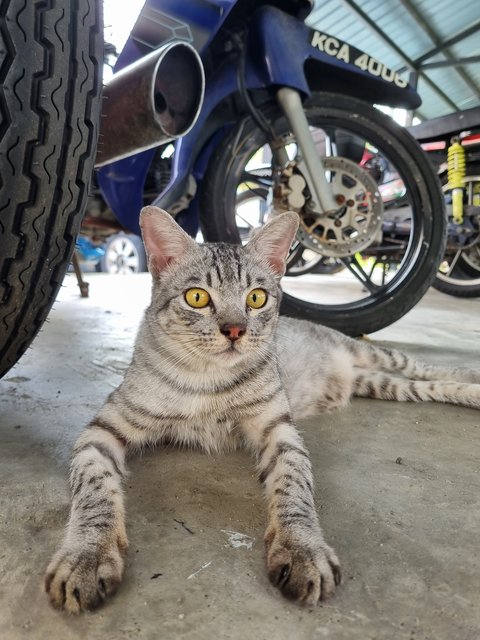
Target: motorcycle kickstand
[(312, 165), (83, 286)]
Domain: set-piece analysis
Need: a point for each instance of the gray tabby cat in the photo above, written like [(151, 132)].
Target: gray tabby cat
[(214, 367)]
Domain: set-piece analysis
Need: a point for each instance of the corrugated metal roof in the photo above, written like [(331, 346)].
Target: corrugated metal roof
[(436, 40)]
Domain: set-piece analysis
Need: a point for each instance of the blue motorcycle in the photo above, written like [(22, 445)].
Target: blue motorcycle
[(267, 114), (286, 120)]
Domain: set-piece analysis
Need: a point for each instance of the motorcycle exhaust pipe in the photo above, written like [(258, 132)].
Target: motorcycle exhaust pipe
[(150, 102)]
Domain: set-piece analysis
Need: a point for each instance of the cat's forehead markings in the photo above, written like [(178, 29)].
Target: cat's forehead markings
[(217, 269), (226, 262)]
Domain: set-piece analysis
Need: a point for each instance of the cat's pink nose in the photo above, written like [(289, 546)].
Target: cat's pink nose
[(233, 331)]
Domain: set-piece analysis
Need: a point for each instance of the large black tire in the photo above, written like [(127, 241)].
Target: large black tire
[(51, 64), (427, 237)]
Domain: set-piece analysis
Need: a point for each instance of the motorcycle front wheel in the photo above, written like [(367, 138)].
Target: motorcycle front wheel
[(401, 247), (51, 63)]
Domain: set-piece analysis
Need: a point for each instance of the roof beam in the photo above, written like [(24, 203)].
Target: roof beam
[(437, 41), (409, 63), (463, 35), (457, 62)]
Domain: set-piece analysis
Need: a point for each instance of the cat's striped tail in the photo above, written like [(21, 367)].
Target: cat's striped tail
[(383, 386), (372, 357)]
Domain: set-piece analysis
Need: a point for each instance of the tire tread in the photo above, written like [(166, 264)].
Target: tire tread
[(47, 168)]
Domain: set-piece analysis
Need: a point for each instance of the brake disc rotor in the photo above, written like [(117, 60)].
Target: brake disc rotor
[(357, 221)]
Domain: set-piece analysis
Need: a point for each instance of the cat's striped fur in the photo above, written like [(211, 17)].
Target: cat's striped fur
[(193, 383)]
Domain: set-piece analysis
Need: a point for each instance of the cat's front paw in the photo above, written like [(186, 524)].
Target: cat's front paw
[(305, 572), (79, 579)]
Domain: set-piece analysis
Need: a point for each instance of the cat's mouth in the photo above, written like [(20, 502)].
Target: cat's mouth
[(231, 351)]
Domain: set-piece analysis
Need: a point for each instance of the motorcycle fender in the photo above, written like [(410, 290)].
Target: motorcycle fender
[(306, 59)]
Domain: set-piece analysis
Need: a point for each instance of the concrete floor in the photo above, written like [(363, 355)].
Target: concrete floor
[(398, 493)]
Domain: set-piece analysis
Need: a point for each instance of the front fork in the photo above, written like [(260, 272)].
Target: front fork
[(310, 163)]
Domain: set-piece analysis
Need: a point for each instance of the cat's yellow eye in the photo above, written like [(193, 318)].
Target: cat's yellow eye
[(257, 298), (197, 298)]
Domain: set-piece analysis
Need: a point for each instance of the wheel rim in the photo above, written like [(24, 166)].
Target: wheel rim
[(372, 277), (121, 257)]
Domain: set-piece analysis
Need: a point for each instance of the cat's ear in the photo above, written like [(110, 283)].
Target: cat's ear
[(273, 240), (164, 240)]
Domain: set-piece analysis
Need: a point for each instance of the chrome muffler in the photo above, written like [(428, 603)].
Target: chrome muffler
[(152, 101)]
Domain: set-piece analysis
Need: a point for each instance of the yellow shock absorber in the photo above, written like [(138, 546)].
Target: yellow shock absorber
[(456, 174)]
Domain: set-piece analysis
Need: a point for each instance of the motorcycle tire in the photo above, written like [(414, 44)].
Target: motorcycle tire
[(387, 303), (51, 64)]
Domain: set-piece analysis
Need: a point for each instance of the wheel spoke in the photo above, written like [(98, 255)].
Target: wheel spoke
[(357, 270), (454, 262), (243, 219), (261, 177), (373, 267), (131, 262)]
